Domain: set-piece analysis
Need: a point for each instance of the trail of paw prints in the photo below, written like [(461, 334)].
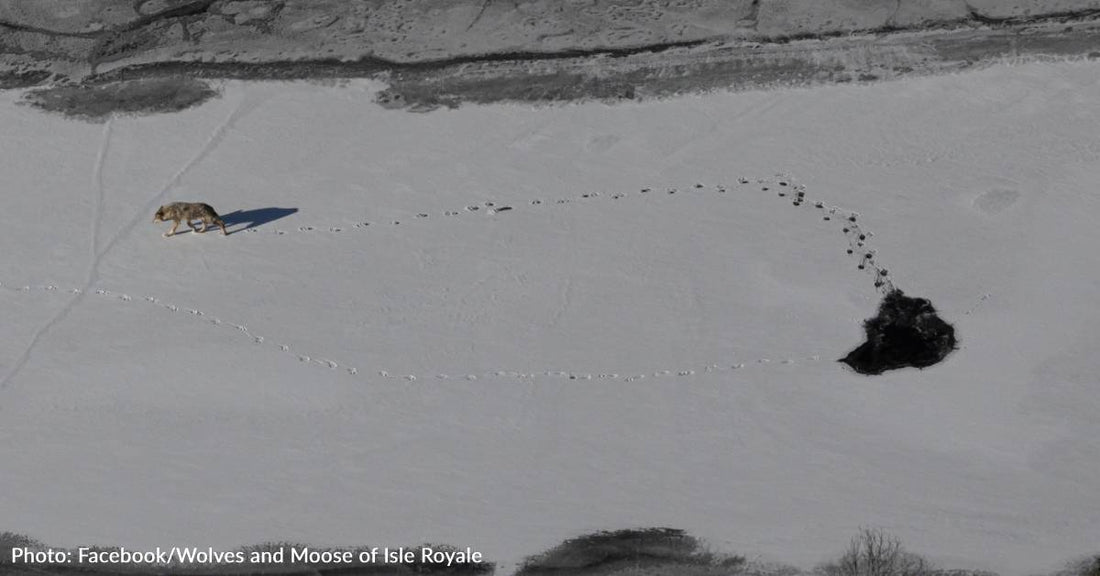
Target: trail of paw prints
[(782, 186), (241, 330), (978, 304), (28, 288), (327, 363), (485, 208), (681, 373), (857, 237)]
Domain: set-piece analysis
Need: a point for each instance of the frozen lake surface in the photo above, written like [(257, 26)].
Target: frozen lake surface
[(473, 326)]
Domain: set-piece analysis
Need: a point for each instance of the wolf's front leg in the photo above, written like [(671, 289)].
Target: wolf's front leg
[(172, 232)]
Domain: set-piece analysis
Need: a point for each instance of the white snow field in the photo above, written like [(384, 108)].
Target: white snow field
[(506, 379)]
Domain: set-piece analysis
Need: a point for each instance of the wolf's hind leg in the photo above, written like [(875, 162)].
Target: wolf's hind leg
[(203, 229), (192, 225)]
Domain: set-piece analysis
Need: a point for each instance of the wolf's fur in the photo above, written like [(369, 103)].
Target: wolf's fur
[(186, 212)]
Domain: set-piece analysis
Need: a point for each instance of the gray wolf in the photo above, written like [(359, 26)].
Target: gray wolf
[(186, 212)]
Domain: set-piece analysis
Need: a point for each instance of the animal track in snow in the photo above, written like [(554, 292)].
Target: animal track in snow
[(984, 297), (352, 371), (213, 321), (784, 186)]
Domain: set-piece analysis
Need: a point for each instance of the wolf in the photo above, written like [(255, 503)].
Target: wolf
[(186, 212)]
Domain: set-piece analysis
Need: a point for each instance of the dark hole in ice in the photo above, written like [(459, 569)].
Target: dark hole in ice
[(907, 332)]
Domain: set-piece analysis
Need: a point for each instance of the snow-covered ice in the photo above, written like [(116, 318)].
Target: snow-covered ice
[(473, 326)]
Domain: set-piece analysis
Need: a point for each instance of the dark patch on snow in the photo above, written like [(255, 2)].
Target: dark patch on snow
[(649, 550), (907, 332), (99, 102)]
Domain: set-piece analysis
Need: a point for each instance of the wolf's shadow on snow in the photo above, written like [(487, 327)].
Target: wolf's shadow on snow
[(255, 218)]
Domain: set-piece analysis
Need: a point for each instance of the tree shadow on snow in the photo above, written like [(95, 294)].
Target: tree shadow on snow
[(255, 218)]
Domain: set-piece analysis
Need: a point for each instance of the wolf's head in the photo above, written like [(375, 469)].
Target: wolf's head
[(159, 216)]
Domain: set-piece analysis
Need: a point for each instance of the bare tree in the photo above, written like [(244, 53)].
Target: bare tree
[(874, 552)]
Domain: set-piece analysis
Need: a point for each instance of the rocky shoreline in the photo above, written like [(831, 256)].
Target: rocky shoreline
[(434, 53)]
